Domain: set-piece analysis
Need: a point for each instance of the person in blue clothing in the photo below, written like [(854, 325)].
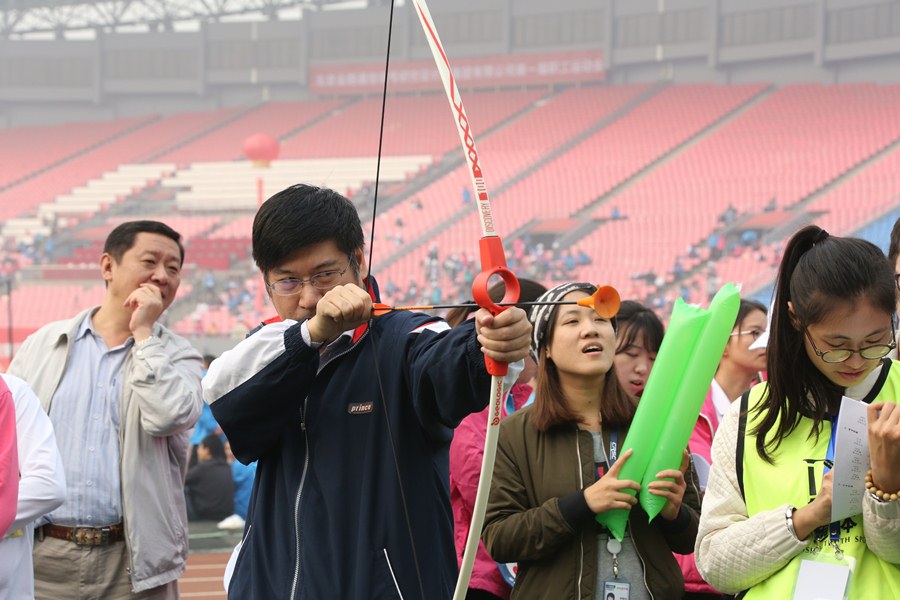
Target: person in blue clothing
[(206, 424), (348, 417), (243, 476)]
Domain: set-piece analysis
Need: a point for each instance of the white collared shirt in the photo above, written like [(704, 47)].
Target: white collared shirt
[(42, 488), (720, 399)]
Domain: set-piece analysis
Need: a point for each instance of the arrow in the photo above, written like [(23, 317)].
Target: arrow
[(605, 302)]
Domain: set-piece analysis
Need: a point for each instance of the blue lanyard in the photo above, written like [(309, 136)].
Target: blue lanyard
[(835, 527), (613, 446), (611, 456)]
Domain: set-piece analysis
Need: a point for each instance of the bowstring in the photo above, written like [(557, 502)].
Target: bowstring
[(387, 421)]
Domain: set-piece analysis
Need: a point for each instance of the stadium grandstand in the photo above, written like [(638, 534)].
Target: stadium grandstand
[(664, 148), (661, 146)]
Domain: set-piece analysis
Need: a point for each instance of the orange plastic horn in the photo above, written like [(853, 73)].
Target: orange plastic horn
[(605, 301)]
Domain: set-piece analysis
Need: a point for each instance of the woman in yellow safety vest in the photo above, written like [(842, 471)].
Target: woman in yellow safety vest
[(766, 527)]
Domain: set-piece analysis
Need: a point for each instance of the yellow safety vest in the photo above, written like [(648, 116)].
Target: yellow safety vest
[(794, 478)]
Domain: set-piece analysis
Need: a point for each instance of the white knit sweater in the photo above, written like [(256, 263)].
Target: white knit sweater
[(735, 552)]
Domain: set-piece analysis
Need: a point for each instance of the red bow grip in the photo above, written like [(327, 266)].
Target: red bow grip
[(493, 262)]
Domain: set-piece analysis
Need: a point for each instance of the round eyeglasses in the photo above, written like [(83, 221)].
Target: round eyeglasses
[(321, 281), (840, 355), (754, 333)]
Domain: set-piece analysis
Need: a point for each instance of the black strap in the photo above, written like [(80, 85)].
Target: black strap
[(879, 383), (739, 448), (739, 454)]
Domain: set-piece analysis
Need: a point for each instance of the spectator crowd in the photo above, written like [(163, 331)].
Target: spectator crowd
[(337, 442)]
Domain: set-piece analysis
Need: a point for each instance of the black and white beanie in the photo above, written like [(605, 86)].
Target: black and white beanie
[(541, 314)]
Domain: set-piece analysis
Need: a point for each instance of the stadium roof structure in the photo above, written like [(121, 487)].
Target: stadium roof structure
[(24, 18)]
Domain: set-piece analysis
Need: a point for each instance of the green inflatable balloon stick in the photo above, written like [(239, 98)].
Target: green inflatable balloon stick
[(672, 362), (671, 403), (691, 393)]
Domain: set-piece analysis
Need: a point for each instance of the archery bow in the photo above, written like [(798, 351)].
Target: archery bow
[(493, 262), (387, 421)]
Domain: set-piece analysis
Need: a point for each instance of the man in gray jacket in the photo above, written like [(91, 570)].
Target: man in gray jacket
[(122, 392)]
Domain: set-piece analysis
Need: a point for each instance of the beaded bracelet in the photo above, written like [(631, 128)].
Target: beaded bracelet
[(879, 495)]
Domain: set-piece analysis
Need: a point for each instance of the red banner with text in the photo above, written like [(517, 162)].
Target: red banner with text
[(482, 71)]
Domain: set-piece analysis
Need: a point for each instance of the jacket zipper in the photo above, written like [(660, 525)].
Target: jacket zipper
[(394, 577), (636, 550), (643, 564), (580, 538), (296, 579), (233, 559), (643, 567)]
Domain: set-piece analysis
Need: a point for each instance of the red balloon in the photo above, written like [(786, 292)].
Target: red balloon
[(261, 149)]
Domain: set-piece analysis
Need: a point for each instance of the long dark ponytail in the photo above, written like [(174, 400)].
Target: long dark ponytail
[(817, 273)]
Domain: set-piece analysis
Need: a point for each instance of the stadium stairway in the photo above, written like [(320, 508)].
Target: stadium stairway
[(313, 122), (450, 161), (787, 136), (153, 135), (587, 224), (281, 120), (548, 158), (890, 152), (83, 200), (428, 236), (672, 154), (234, 116), (804, 212), (136, 125), (68, 239)]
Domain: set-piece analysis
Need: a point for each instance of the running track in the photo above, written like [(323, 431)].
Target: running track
[(203, 578)]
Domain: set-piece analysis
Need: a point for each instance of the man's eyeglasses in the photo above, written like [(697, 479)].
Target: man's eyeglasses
[(321, 281), (897, 279), (754, 333), (839, 355)]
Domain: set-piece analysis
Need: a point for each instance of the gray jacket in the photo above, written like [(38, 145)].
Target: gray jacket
[(161, 401)]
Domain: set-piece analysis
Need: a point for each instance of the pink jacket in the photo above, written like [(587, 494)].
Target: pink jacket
[(700, 447), (707, 424), (466, 451), (9, 460)]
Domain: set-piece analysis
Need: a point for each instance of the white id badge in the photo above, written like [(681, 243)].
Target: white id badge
[(616, 589), (823, 576)]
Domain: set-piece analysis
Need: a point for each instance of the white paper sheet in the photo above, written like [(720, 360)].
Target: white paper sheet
[(851, 460)]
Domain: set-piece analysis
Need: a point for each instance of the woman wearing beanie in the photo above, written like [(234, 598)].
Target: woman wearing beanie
[(557, 467)]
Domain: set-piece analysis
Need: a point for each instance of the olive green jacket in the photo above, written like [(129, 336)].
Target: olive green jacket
[(537, 515)]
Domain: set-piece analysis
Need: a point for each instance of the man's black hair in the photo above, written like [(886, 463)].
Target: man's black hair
[(300, 216), (214, 444), (894, 246), (121, 239)]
